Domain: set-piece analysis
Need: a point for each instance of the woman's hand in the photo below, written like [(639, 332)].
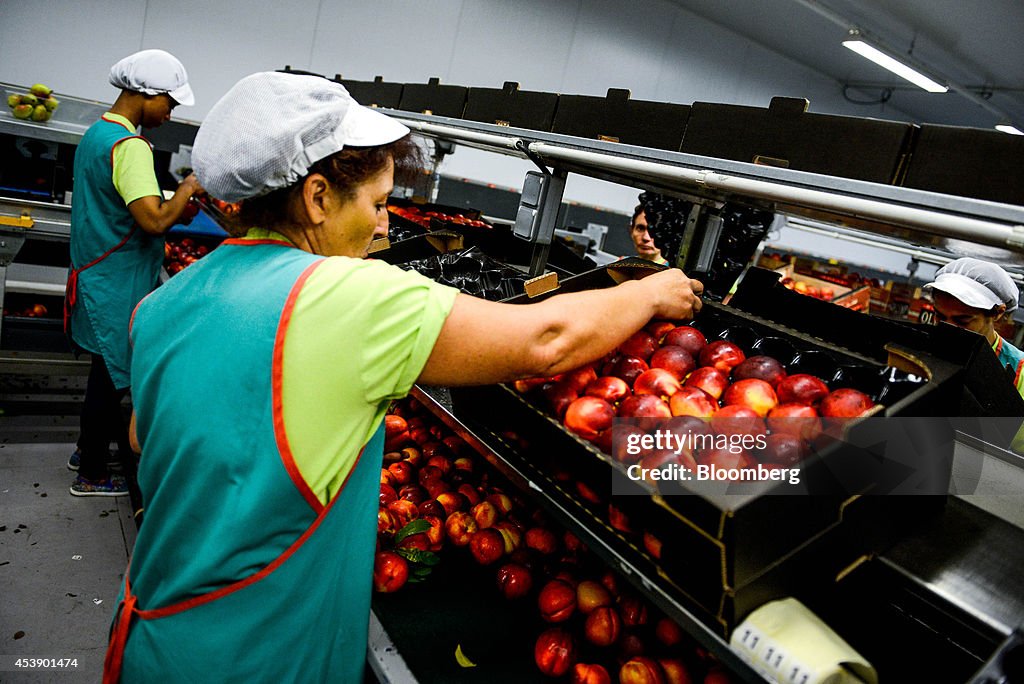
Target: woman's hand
[(676, 296)]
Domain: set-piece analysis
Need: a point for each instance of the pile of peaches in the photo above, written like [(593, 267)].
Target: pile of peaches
[(436, 498), (422, 216), (674, 373), (434, 495), (799, 286), (183, 252)]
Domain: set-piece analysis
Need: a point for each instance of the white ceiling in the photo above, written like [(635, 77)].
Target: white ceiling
[(976, 43)]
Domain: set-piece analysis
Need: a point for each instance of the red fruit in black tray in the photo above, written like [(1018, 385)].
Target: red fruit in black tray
[(755, 394), (687, 337), (555, 652), (786, 450), (799, 420), (762, 368), (845, 403), (460, 527), (390, 572), (591, 594), (658, 329), (514, 581), (557, 601), (640, 344), (559, 395), (644, 406), (589, 416), (487, 546), (737, 420), (628, 368), (609, 388), (801, 389), (723, 355), (711, 380), (603, 626), (692, 401), (578, 379), (641, 670), (542, 540), (675, 360), (657, 381), (590, 673)]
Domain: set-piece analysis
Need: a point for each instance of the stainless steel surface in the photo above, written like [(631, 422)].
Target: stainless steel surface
[(35, 279), (710, 640), (383, 657), (928, 201), (51, 221), (823, 201), (70, 121)]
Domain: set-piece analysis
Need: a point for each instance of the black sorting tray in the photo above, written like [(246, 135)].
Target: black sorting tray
[(720, 551)]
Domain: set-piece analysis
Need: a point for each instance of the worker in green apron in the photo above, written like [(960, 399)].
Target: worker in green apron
[(118, 218), (261, 376)]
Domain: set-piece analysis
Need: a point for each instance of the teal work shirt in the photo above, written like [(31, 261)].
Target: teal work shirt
[(114, 264)]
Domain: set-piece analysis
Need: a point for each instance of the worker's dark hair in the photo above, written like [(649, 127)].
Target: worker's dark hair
[(636, 212), (345, 170)]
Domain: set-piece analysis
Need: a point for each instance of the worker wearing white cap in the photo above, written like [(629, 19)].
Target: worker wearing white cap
[(118, 218), (261, 377), (974, 294)]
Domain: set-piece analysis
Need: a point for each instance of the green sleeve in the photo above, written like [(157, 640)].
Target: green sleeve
[(359, 335), (134, 174)]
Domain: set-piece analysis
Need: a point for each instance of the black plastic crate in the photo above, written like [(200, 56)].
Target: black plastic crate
[(509, 106), (617, 118), (720, 551), (970, 162), (987, 391), (375, 93), (786, 135), (434, 98)]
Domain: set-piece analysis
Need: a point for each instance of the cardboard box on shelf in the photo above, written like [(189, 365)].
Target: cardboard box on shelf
[(856, 298)]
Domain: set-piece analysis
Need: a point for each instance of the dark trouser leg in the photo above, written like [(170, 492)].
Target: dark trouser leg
[(101, 421)]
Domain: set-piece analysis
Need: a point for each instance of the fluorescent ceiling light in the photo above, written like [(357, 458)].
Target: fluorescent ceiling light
[(894, 65), (1009, 128)]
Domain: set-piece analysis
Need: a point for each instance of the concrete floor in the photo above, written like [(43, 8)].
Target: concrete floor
[(62, 559)]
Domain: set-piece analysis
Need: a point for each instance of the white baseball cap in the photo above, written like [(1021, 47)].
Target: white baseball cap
[(153, 72), (976, 283), (270, 127)]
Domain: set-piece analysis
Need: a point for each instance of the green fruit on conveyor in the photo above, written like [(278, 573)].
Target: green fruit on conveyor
[(23, 111), (29, 99), (40, 90), (40, 113), (51, 103), (13, 100)]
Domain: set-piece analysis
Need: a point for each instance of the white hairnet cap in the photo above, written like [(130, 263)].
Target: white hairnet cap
[(153, 72), (270, 127), (976, 283)]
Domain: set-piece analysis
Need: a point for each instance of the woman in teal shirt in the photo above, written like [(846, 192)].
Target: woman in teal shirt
[(118, 218), (261, 376)]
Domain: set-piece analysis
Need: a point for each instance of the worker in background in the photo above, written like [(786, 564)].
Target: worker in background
[(261, 376), (974, 294), (642, 240), (118, 219)]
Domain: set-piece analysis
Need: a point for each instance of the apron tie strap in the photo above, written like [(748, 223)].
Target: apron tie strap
[(119, 638), (70, 297)]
